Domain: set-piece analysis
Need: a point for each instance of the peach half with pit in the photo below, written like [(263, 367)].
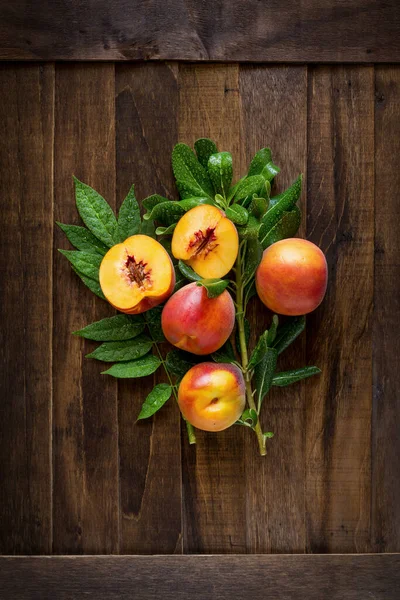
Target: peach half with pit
[(207, 241), (137, 274), (212, 396)]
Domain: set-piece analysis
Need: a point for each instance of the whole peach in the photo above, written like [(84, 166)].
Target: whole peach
[(292, 277), (212, 396), (196, 323)]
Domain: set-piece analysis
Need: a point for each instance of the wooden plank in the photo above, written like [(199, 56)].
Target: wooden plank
[(386, 400), (85, 402), (26, 159), (213, 470), (202, 577), (341, 221), (150, 454), (275, 484), (269, 31)]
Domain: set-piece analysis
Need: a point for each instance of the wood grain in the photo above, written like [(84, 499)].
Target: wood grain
[(202, 577), (275, 484), (268, 31), (386, 404), (85, 402), (150, 452), (339, 334), (26, 248), (213, 470)]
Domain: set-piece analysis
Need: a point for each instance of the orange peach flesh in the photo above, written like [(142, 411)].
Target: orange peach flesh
[(207, 241), (195, 323), (292, 277), (137, 274), (211, 396)]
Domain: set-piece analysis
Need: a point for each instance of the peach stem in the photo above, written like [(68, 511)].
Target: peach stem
[(243, 351)]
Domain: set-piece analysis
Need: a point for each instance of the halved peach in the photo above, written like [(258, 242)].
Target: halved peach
[(206, 240), (137, 274)]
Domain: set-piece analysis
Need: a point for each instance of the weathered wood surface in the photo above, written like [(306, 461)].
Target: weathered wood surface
[(251, 30), (78, 475), (285, 577)]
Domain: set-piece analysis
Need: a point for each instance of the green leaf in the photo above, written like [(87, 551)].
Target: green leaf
[(220, 171), (214, 287), (249, 418), (166, 230), (188, 272), (204, 148), (272, 330), (259, 351), (129, 216), (268, 435), (113, 329), (96, 213), (92, 284), (153, 320), (148, 228), (246, 334), (86, 263), (135, 368), (166, 213), (151, 201), (237, 214), (286, 227), (287, 377), (262, 158), (289, 332), (258, 207), (155, 400), (83, 239), (122, 351), (225, 354), (263, 374), (286, 202), (254, 254), (270, 171), (191, 178), (246, 187), (179, 362), (190, 203), (250, 230)]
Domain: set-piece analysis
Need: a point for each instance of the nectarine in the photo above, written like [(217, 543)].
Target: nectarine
[(212, 396), (193, 322), (137, 274), (292, 276), (206, 240)]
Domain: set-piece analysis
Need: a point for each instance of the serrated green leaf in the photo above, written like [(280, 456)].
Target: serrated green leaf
[(92, 284), (237, 214), (258, 207), (262, 158), (96, 213), (272, 331), (220, 171), (151, 201), (214, 287), (188, 272), (129, 216), (123, 350), (191, 177), (153, 321), (166, 213), (83, 239), (286, 227), (259, 351), (246, 187), (246, 334), (254, 254), (225, 354), (286, 203), (155, 400), (263, 374), (86, 263), (179, 362), (134, 368), (289, 332), (288, 377), (113, 329), (204, 148), (166, 230)]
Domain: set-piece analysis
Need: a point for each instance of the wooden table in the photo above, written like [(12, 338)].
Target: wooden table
[(79, 476)]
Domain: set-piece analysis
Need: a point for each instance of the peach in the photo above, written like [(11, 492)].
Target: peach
[(212, 396), (207, 241), (137, 274), (196, 323), (292, 276)]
